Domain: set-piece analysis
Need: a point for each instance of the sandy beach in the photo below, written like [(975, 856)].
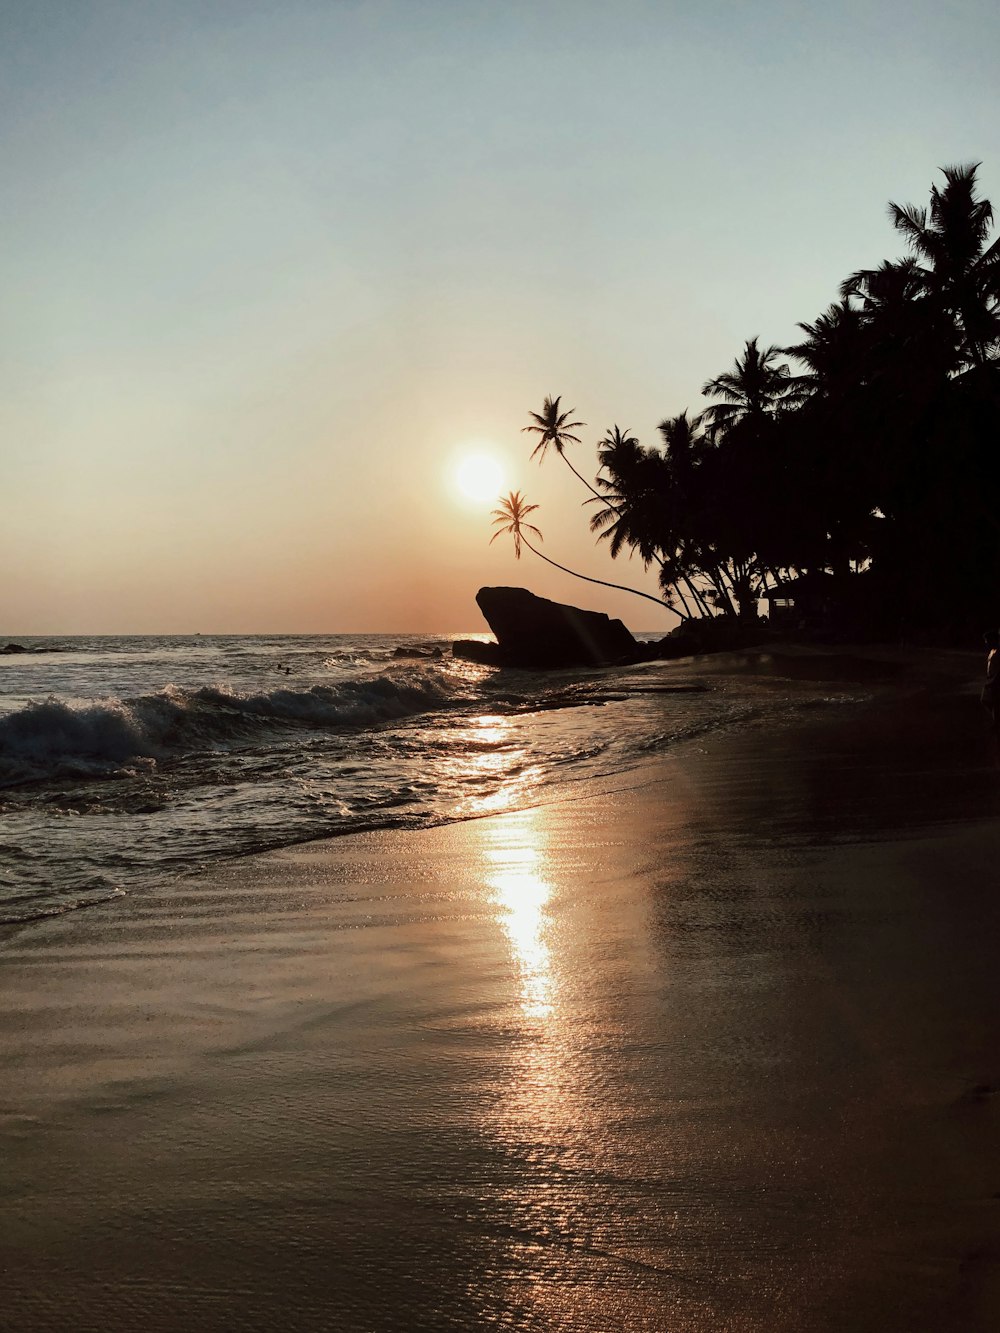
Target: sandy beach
[(712, 1046)]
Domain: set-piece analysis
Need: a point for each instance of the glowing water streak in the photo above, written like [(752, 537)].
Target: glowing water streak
[(522, 895)]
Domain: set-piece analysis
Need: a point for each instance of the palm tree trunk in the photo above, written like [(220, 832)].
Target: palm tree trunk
[(581, 477), (722, 587), (699, 601), (586, 577), (687, 609)]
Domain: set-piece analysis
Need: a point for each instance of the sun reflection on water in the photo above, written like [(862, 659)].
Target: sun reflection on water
[(540, 1112), (522, 896), (493, 755)]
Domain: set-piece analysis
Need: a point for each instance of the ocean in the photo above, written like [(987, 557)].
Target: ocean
[(128, 761)]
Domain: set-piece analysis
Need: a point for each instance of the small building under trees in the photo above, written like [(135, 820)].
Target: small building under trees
[(803, 603)]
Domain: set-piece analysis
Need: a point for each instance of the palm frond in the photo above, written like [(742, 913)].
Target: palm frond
[(510, 517), (912, 222), (552, 427)]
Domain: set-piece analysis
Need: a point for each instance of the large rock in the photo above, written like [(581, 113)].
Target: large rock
[(534, 633)]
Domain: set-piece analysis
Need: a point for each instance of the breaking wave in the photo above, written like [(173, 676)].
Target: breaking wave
[(54, 739)]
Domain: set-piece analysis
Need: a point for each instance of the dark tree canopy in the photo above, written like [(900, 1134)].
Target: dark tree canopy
[(866, 453)]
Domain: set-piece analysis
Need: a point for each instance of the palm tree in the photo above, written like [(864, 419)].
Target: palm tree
[(903, 328), (684, 446), (555, 428), (510, 517), (620, 455), (833, 351), (952, 265), (512, 513), (752, 391), (832, 453), (962, 272), (638, 507), (617, 444), (892, 286)]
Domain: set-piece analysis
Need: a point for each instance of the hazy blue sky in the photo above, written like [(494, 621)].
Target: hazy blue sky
[(268, 269)]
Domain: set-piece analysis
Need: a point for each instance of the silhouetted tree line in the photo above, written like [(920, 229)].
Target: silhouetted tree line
[(867, 452)]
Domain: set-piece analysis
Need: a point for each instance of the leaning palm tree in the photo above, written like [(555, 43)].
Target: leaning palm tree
[(555, 428), (511, 518), (513, 511)]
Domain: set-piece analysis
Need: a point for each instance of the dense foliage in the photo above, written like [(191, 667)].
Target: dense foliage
[(867, 453)]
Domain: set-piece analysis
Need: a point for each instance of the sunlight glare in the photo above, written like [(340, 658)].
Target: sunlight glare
[(479, 477), (522, 895)]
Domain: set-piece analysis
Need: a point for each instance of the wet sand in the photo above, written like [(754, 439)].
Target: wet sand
[(714, 1047)]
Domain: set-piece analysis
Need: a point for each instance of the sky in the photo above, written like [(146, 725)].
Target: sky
[(271, 271)]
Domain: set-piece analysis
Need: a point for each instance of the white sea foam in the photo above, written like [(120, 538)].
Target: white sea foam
[(55, 738)]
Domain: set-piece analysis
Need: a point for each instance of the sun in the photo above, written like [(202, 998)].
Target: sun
[(478, 476)]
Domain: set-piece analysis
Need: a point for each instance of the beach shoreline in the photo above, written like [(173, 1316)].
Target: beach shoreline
[(710, 1045)]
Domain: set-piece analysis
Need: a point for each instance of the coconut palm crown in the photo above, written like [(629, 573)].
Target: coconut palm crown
[(756, 387), (510, 517), (552, 427), (555, 428), (954, 263)]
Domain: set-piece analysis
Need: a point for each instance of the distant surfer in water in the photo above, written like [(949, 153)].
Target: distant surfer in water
[(990, 697)]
